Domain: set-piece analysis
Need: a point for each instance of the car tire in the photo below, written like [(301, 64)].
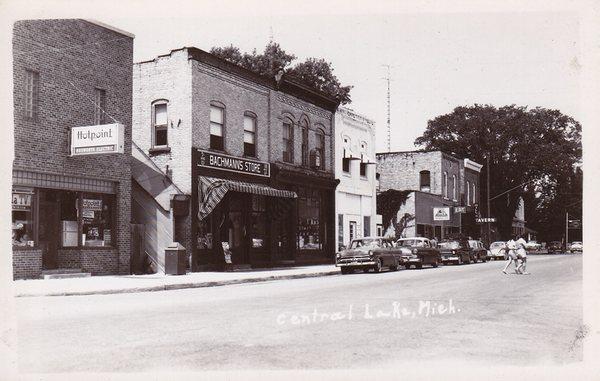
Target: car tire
[(394, 267), (347, 270), (378, 266), (419, 266), (459, 261), (407, 266), (435, 263)]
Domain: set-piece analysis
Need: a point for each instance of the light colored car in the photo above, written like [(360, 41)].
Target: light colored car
[(498, 251), (533, 245), (369, 253), (576, 246)]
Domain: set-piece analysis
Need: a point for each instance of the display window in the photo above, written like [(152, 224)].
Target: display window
[(258, 219), (309, 212), (22, 217), (96, 219)]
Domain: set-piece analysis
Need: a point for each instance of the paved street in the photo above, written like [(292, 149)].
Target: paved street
[(361, 320)]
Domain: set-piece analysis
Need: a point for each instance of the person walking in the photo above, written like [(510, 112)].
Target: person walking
[(522, 256), (511, 247)]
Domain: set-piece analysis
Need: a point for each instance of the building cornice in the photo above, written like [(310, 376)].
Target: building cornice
[(470, 164)]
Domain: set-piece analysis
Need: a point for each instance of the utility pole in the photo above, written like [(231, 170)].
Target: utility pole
[(566, 231), (488, 197), (389, 133)]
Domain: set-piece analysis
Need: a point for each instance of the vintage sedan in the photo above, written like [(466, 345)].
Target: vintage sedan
[(455, 251), (417, 252), (369, 253), (576, 246), (478, 251), (498, 250), (554, 247)]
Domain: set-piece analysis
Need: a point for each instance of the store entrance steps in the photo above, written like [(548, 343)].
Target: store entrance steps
[(64, 273)]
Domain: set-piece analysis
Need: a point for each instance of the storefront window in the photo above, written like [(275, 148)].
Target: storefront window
[(22, 218), (69, 221), (309, 211), (96, 217), (259, 230)]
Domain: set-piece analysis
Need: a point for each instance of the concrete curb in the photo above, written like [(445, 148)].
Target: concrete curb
[(180, 286)]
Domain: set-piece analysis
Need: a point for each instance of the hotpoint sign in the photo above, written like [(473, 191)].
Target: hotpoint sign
[(99, 139)]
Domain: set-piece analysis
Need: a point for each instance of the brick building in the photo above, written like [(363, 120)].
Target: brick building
[(355, 168), (436, 180), (71, 207), (243, 162)]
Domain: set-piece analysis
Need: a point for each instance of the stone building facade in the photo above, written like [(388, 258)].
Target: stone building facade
[(69, 211), (437, 180), (205, 123)]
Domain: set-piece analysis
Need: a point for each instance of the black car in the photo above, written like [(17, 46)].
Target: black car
[(554, 247), (455, 251), (478, 251)]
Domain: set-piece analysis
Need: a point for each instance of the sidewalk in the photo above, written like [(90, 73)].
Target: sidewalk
[(116, 284)]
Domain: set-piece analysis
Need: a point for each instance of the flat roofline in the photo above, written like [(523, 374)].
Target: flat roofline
[(114, 29)]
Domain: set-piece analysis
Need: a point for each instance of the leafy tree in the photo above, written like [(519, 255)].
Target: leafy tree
[(314, 73), (529, 150), (388, 205)]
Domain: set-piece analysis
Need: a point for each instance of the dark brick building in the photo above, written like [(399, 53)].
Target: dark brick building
[(71, 211), (205, 125)]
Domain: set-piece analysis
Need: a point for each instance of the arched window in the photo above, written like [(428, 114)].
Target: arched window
[(445, 185), (320, 135), (217, 125), (454, 187), (346, 154), (287, 133), (425, 181), (363, 158), (249, 133), (468, 193), (304, 129), (159, 123)]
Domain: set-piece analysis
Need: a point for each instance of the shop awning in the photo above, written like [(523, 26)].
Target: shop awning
[(212, 190)]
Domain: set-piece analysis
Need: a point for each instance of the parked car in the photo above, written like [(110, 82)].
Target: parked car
[(533, 246), (478, 251), (369, 253), (417, 252), (554, 247), (497, 250), (455, 251), (576, 246)]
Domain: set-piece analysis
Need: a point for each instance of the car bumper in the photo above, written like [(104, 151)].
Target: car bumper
[(410, 260), (450, 258), (351, 262)]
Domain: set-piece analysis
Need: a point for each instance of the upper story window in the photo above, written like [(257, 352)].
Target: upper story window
[(159, 124), (320, 135), (468, 193), (363, 169), (454, 188), (100, 106), (425, 181), (217, 126), (304, 128), (345, 163), (287, 134), (378, 181), (346, 155), (249, 134), (473, 194), (445, 185), (32, 84)]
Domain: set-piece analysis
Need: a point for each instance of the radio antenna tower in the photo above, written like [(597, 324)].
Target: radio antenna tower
[(389, 130)]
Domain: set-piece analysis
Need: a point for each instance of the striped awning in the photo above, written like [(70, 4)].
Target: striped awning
[(212, 190)]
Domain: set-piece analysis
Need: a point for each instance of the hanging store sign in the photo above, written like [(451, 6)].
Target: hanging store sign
[(485, 220), (21, 201), (441, 214), (460, 209), (233, 164), (92, 204), (95, 140)]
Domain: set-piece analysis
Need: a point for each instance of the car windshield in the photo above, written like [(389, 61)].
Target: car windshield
[(577, 243), (496, 244), (365, 242), (450, 245), (411, 243)]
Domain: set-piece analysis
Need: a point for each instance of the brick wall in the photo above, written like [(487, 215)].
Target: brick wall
[(73, 57), (400, 170), (27, 264)]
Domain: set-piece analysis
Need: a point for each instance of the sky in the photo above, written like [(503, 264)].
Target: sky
[(438, 60)]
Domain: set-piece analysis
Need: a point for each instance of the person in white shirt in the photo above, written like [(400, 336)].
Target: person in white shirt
[(522, 256), (511, 247)]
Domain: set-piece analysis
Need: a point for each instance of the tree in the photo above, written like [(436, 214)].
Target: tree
[(388, 205), (314, 73), (529, 150)]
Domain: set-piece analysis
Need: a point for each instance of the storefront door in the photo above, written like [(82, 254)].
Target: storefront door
[(49, 233)]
